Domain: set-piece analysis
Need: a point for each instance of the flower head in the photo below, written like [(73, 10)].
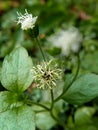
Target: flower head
[(27, 21), (68, 40), (46, 74)]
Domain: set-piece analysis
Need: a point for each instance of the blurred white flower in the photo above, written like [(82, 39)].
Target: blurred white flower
[(27, 21), (68, 40)]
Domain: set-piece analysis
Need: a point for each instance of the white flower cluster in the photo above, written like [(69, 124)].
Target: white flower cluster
[(27, 21), (68, 40)]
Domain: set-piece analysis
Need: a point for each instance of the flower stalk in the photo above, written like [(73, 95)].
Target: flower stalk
[(77, 71), (39, 45)]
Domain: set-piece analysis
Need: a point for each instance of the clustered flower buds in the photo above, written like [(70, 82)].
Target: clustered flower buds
[(27, 21), (46, 74)]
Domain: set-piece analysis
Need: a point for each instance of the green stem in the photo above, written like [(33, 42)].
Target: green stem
[(77, 71), (39, 111), (50, 110), (38, 104), (53, 116), (39, 45), (52, 99)]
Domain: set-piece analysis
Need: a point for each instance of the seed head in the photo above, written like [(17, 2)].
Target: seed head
[(46, 74)]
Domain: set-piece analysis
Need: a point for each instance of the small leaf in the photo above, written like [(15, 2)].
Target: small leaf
[(44, 121), (84, 89), (16, 74), (22, 118), (84, 115)]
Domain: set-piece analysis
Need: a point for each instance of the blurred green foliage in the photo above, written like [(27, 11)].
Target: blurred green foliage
[(52, 15)]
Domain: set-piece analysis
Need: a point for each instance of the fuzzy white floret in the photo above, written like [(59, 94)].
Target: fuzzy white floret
[(27, 20)]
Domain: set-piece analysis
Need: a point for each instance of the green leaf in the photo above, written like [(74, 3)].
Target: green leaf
[(85, 127), (84, 115), (84, 89), (16, 75), (22, 118), (44, 121), (4, 101), (9, 100), (90, 62)]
